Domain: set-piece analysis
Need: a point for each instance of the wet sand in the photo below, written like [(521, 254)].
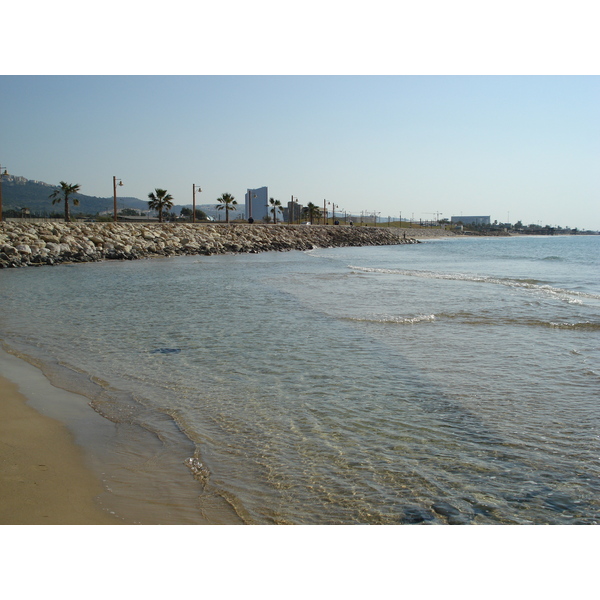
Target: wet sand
[(43, 476), (85, 467)]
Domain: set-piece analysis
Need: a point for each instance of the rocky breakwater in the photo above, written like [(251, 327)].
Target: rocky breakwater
[(49, 243)]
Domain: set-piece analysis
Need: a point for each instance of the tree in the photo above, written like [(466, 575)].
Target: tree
[(187, 213), (130, 212), (66, 190), (312, 211), (160, 201), (227, 202), (276, 204)]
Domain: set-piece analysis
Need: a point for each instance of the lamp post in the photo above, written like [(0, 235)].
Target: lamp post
[(250, 196), (115, 196), (194, 188), (333, 207), (2, 174), (292, 216)]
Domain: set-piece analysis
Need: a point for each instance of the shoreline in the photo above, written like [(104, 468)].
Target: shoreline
[(50, 243), (63, 463), (42, 243), (43, 473)]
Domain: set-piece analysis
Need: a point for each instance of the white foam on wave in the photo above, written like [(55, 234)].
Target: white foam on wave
[(579, 325), (569, 296), (400, 320)]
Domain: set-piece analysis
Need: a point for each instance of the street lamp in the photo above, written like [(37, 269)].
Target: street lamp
[(2, 174), (250, 197), (115, 195), (333, 207), (294, 211), (194, 201)]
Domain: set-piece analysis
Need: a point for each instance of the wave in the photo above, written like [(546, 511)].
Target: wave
[(584, 325), (571, 296), (467, 318), (475, 319), (399, 320)]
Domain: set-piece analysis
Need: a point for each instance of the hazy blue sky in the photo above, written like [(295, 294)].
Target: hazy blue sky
[(515, 147)]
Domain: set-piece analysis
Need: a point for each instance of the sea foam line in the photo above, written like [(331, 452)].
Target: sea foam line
[(514, 283), (393, 319)]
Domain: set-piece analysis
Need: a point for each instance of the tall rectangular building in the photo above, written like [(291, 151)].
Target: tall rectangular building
[(293, 213), (257, 204)]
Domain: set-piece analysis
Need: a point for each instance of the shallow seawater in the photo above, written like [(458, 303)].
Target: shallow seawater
[(453, 381)]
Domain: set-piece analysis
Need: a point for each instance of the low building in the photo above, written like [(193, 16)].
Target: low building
[(470, 220)]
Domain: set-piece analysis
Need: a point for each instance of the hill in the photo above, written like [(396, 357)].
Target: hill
[(19, 192)]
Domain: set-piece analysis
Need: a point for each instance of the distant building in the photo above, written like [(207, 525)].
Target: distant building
[(293, 212), (257, 204), (470, 220)]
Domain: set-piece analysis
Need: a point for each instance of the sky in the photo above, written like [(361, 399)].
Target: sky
[(513, 147), (420, 110)]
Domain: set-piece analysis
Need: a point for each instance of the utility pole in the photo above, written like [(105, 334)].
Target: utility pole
[(2, 174), (115, 196), (194, 188)]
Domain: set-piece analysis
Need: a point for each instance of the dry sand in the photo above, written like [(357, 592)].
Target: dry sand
[(43, 477)]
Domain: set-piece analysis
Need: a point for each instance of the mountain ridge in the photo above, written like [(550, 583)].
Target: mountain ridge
[(19, 193)]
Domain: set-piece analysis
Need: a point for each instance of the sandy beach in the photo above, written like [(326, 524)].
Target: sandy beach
[(43, 476)]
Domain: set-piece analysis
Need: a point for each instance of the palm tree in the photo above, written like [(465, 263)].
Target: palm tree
[(160, 201), (276, 204), (312, 211), (228, 203), (66, 190)]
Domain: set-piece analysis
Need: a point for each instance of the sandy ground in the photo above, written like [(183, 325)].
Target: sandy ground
[(43, 478)]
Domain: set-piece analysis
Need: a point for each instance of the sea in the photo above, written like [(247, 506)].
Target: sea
[(455, 381)]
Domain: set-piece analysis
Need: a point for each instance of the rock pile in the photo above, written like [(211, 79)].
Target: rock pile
[(48, 243)]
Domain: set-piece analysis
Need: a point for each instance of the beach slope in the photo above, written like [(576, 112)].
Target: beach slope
[(43, 478)]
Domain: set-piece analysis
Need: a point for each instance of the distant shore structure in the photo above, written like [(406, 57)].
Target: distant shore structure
[(470, 220), (257, 204)]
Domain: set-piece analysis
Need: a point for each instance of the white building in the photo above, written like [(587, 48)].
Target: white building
[(293, 212), (470, 220), (257, 204)]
